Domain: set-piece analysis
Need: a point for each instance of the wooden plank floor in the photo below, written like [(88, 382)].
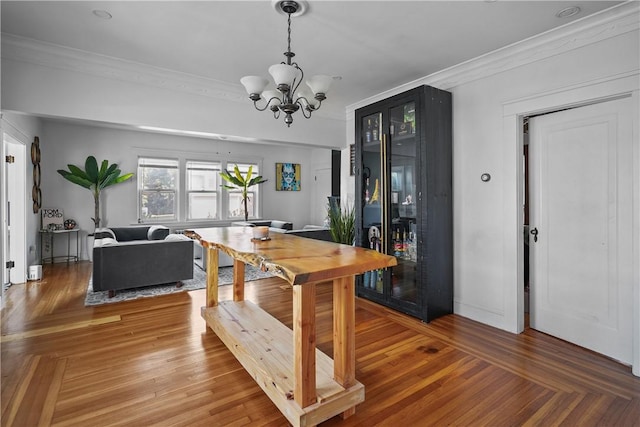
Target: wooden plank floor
[(151, 362)]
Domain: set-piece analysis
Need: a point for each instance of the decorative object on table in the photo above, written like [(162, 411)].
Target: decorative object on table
[(342, 224), (52, 219), (199, 281), (36, 193), (288, 177), (95, 179), (69, 224), (236, 181), (260, 232), (288, 76)]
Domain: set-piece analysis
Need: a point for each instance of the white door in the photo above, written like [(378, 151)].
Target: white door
[(322, 190), (580, 179), (14, 204)]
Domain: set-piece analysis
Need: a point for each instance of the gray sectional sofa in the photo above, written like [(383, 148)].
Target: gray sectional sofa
[(136, 256)]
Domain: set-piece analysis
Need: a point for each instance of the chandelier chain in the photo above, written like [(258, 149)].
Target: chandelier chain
[(289, 37)]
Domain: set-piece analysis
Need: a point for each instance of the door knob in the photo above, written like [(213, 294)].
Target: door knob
[(534, 233)]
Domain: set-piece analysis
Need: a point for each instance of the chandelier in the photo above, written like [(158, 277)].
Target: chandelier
[(289, 96)]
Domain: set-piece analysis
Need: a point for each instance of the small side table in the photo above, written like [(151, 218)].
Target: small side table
[(50, 235)]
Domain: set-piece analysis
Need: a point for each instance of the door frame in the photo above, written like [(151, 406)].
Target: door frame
[(514, 112), (8, 132)]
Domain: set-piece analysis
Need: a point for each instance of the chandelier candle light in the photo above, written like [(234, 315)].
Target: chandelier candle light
[(287, 76)]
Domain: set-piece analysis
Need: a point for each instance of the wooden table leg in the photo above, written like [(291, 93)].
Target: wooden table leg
[(212, 276), (238, 280), (304, 344), (344, 335)]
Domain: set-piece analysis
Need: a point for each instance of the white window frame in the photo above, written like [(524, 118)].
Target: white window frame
[(182, 213), (141, 189), (254, 192), (215, 165)]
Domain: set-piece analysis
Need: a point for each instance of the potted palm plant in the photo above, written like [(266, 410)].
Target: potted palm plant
[(342, 224), (236, 181), (95, 180)]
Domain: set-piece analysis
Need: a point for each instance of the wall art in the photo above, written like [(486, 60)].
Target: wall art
[(288, 177), (52, 219)]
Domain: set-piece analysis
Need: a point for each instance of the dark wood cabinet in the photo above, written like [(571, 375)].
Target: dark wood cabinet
[(403, 200)]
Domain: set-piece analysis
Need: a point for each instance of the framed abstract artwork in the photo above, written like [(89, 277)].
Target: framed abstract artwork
[(288, 177)]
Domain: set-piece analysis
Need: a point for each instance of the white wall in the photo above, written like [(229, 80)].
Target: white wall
[(487, 219), (485, 214), (68, 143)]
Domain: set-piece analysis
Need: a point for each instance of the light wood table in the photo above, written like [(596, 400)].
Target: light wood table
[(306, 385)]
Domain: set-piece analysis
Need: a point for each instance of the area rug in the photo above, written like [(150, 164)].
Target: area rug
[(199, 281)]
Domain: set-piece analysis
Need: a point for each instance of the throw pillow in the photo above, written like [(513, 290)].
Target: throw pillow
[(104, 242), (176, 237)]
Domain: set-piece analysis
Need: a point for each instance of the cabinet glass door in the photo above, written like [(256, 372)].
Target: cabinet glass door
[(372, 197), (402, 202), (403, 199)]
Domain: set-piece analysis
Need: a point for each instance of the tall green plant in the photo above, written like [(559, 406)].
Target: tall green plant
[(342, 224), (95, 180), (236, 181)]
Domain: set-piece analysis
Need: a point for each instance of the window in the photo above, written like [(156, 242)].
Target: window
[(236, 204), (184, 190), (157, 189), (203, 185)]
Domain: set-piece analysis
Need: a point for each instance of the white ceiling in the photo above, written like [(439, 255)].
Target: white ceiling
[(373, 45)]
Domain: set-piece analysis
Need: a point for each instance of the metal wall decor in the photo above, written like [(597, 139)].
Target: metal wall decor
[(36, 194)]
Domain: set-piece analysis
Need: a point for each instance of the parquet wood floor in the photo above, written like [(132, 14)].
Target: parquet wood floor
[(151, 362)]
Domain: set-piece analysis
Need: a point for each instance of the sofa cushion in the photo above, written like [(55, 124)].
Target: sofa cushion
[(281, 224), (313, 233), (157, 232), (104, 232), (124, 234)]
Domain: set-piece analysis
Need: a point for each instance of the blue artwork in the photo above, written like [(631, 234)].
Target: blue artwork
[(287, 177)]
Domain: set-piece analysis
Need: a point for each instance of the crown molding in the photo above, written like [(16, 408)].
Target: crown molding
[(591, 29), (60, 57), (611, 22)]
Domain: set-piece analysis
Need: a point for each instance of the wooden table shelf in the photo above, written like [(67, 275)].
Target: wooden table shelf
[(264, 347), (306, 385)]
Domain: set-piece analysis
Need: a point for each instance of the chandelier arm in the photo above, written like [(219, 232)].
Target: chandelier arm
[(296, 86), (255, 104), (267, 105), (306, 111)]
